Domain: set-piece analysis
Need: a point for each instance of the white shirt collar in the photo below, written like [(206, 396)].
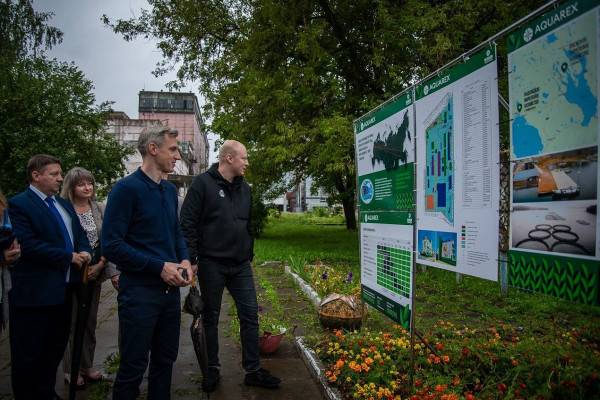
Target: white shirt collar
[(39, 193)]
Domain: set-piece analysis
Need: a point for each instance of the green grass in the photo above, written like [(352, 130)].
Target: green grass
[(298, 236), (549, 330)]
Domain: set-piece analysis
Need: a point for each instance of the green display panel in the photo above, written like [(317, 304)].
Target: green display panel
[(391, 189), (398, 313), (572, 279)]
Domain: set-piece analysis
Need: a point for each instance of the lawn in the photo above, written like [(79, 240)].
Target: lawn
[(485, 345)]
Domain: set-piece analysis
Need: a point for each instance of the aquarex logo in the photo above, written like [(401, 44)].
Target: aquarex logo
[(367, 191)]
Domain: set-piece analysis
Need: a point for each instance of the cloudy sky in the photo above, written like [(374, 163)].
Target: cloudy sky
[(118, 69)]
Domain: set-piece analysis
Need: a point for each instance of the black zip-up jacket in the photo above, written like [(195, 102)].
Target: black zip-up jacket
[(215, 218)]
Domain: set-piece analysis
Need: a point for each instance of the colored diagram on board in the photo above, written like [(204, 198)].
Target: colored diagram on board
[(553, 90), (393, 268), (439, 175)]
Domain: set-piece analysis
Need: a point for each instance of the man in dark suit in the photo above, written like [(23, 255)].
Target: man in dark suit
[(54, 247)]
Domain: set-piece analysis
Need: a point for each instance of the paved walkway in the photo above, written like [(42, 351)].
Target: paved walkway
[(286, 363)]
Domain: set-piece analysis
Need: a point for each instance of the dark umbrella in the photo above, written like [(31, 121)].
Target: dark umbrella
[(83, 291), (193, 305)]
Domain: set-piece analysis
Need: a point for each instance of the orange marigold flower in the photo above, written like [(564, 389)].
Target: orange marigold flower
[(446, 359), (441, 388), (339, 364), (439, 346), (456, 381), (436, 360), (339, 333), (368, 361), (332, 378), (449, 396)]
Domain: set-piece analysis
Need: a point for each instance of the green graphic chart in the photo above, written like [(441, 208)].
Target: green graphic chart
[(393, 269)]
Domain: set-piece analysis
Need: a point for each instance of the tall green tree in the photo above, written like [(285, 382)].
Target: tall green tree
[(47, 106), (288, 78)]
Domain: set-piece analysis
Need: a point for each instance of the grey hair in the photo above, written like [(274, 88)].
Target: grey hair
[(73, 178), (154, 134)]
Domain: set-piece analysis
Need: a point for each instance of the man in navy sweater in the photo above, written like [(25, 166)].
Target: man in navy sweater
[(142, 236)]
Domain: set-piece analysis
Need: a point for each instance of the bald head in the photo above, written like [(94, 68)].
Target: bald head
[(232, 147), (233, 159)]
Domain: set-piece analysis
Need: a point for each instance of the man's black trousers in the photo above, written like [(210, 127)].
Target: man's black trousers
[(213, 277), (38, 338), (149, 322)]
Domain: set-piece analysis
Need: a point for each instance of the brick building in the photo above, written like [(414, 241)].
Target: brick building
[(179, 111)]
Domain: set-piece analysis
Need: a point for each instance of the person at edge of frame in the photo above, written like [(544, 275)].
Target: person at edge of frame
[(10, 251), (54, 248), (215, 220), (142, 237)]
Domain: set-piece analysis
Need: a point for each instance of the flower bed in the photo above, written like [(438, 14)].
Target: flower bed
[(462, 364), (327, 279)]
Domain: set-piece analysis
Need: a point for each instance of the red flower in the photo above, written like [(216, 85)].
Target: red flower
[(501, 387), (439, 346)]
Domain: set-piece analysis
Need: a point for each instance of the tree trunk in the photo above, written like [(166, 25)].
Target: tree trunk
[(349, 214)]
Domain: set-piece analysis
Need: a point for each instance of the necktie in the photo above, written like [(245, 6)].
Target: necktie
[(61, 224)]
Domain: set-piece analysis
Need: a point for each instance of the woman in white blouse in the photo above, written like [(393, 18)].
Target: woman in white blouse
[(79, 188)]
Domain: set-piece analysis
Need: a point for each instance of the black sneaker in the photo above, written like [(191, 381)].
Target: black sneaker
[(262, 378), (210, 381)]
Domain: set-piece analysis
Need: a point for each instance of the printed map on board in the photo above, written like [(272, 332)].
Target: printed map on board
[(553, 90), (439, 159)]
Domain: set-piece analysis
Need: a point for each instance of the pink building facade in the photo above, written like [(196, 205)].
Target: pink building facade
[(179, 111)]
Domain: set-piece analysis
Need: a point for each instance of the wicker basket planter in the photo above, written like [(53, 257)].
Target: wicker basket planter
[(338, 311)]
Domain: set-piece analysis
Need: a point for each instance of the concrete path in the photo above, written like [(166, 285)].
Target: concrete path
[(286, 363)]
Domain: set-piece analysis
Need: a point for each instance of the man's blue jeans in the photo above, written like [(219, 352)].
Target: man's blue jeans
[(213, 277)]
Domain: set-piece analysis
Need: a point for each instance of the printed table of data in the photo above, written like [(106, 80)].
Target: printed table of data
[(393, 268)]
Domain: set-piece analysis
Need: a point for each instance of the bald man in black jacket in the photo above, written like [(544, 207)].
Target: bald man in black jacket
[(215, 220)]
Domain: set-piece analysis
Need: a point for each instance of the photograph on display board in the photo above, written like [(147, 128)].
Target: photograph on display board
[(567, 227), (437, 246), (571, 175)]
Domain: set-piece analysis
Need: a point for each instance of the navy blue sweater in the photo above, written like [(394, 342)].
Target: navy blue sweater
[(141, 229)]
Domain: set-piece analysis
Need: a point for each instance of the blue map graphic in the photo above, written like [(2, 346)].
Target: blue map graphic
[(553, 90)]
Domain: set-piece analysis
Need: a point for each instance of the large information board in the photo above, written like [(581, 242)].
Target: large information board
[(458, 168), (385, 164), (553, 86), (553, 64)]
